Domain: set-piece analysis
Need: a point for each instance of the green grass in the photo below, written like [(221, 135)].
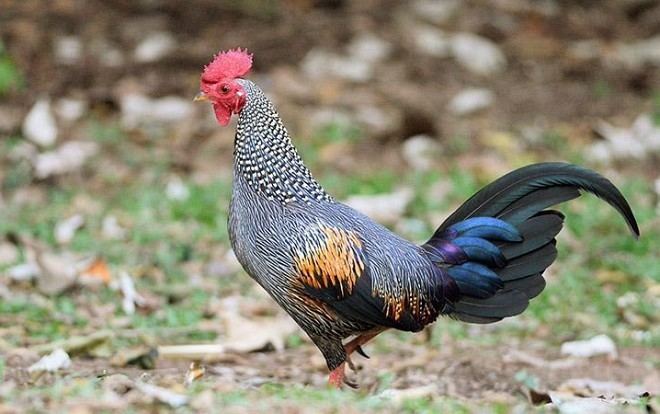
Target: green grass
[(165, 235), (11, 78)]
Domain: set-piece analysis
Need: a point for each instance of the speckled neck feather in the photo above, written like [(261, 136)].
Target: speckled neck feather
[(265, 156)]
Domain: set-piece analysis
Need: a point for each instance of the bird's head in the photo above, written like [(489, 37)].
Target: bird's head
[(219, 84)]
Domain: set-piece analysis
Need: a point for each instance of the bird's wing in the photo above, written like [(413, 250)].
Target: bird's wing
[(329, 259), (332, 265)]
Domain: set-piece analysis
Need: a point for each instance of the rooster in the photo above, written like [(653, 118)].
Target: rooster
[(344, 278)]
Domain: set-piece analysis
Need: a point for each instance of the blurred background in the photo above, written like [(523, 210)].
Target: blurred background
[(114, 189)]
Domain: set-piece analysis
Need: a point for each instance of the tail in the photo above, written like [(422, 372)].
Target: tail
[(497, 245)]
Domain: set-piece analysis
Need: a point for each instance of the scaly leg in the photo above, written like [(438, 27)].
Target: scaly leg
[(338, 375)]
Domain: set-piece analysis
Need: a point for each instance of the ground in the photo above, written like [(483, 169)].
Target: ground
[(139, 198)]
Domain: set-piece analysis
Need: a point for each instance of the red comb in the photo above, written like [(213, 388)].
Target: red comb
[(230, 64)]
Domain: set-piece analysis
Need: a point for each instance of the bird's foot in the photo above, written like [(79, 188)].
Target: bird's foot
[(338, 378), (360, 351)]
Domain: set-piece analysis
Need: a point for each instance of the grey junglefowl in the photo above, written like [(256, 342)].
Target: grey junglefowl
[(344, 278)]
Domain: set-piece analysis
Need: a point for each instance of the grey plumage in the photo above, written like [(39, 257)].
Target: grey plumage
[(339, 274)]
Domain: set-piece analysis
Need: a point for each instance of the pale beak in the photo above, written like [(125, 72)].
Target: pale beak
[(200, 97)]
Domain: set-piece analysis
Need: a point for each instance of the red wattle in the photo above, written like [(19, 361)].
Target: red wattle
[(222, 114)]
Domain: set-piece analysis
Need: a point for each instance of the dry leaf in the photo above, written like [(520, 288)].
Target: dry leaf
[(39, 124), (596, 388), (141, 356), (161, 394), (54, 361), (97, 270), (67, 158), (76, 344), (66, 229), (568, 403), (598, 345), (399, 396), (131, 296), (195, 372)]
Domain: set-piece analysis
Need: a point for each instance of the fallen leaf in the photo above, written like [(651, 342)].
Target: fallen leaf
[(66, 229), (141, 356), (54, 361), (8, 253), (200, 352), (399, 396), (161, 394), (195, 372), (23, 272), (598, 345), (57, 272), (97, 270), (176, 190), (111, 229), (39, 124), (118, 383), (518, 356), (421, 152), (67, 158), (568, 403), (131, 296), (76, 345), (255, 333), (596, 388)]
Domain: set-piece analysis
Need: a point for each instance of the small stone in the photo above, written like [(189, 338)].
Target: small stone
[(39, 124), (319, 64), (431, 41), (67, 158), (8, 254), (384, 208), (70, 110), (10, 119), (66, 229), (421, 152), (639, 141), (68, 50), (177, 190), (598, 345), (477, 54), (436, 11), (137, 110), (636, 55), (471, 100), (56, 360), (111, 229), (369, 47), (23, 272), (379, 120), (154, 47)]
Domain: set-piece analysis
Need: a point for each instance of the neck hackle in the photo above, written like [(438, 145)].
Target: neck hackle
[(265, 156)]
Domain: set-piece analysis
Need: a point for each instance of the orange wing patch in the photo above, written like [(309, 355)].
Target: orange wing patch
[(330, 257)]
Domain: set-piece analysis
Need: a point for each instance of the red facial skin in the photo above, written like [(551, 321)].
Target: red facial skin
[(218, 83), (227, 96)]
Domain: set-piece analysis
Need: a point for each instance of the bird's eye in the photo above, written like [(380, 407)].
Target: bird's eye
[(225, 88)]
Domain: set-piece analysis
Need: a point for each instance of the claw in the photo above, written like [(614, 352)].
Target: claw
[(360, 351), (351, 384)]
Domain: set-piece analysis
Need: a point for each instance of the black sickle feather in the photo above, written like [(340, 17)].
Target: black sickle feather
[(493, 199)]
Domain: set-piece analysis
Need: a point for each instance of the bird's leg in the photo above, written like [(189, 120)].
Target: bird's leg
[(338, 375), (336, 378), (355, 345)]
